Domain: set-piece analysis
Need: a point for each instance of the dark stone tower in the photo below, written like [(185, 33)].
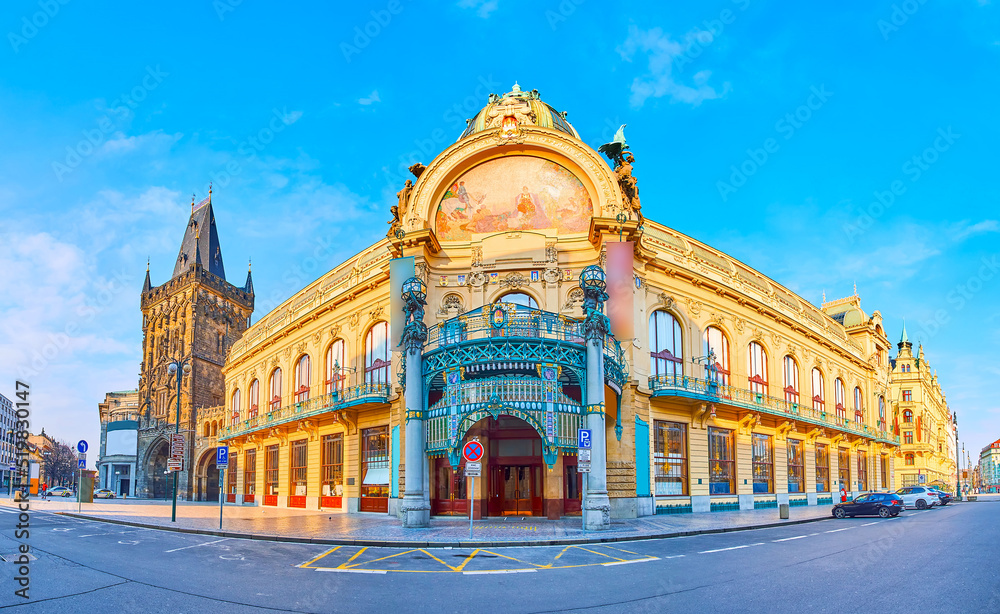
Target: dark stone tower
[(195, 316)]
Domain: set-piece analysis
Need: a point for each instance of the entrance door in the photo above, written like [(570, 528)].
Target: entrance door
[(517, 490), (123, 487), (450, 497)]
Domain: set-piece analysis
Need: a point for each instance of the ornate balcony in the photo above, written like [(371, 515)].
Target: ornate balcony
[(330, 402), (709, 391)]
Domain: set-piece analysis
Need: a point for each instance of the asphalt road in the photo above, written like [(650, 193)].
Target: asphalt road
[(945, 559)]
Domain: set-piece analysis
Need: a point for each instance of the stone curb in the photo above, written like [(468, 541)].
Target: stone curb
[(377, 543)]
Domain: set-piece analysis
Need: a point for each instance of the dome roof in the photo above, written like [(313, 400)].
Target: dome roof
[(524, 107)]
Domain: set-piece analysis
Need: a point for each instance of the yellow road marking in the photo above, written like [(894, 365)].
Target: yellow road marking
[(599, 553), (562, 552), (356, 555), (439, 560), (310, 562), (467, 559), (620, 550), (346, 566), (512, 558)]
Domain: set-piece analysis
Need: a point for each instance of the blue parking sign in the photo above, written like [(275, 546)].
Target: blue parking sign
[(222, 456), (583, 439)]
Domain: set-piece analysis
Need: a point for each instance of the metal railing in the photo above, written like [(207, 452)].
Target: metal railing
[(331, 401), (742, 397), (505, 389)]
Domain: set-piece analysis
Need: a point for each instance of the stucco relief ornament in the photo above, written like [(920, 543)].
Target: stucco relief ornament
[(477, 279), (353, 320), (335, 331), (552, 275), (513, 281)]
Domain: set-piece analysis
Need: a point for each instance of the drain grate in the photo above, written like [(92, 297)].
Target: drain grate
[(11, 557)]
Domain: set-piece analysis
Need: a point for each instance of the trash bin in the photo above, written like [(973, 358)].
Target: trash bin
[(783, 511)]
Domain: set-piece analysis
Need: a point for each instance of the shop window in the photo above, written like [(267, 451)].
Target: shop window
[(822, 468), (763, 463), (862, 470), (375, 469), (297, 468), (844, 467), (721, 462), (250, 475), (670, 457), (231, 477), (796, 466), (271, 470), (333, 465)]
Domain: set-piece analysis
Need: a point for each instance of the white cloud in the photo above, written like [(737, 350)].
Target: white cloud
[(483, 7), (662, 54), (370, 99), (150, 143), (963, 230)]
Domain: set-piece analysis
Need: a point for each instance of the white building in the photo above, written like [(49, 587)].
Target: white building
[(119, 438)]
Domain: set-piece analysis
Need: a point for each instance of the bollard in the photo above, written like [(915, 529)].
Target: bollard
[(783, 511)]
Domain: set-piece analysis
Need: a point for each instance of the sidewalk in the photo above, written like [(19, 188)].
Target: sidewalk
[(280, 524)]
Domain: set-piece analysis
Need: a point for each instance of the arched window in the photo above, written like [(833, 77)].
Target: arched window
[(717, 346), (909, 459), (302, 378), (234, 406), (859, 408), (254, 400), (881, 412), (215, 428), (819, 396), (335, 367), (908, 416), (518, 298), (274, 390), (377, 354), (208, 429), (666, 352), (791, 380), (838, 394), (757, 368)]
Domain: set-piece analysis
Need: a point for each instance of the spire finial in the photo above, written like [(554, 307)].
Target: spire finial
[(824, 295), (147, 264), (192, 203), (855, 287), (210, 192), (249, 264), (904, 338)]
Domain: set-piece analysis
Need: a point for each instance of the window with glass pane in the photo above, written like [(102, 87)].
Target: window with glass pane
[(822, 468), (862, 470), (885, 471), (302, 369), (796, 466), (717, 345), (881, 411), (763, 463), (377, 354), (274, 390), (908, 417), (838, 393), (721, 462), (518, 298), (791, 380), (907, 396), (859, 410), (670, 457), (908, 459), (271, 470), (908, 437), (757, 368), (844, 467), (375, 462), (335, 375), (231, 473), (333, 465), (254, 400), (297, 468), (250, 473), (234, 407), (666, 352), (819, 397)]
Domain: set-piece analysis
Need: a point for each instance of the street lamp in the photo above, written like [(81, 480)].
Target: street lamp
[(178, 368)]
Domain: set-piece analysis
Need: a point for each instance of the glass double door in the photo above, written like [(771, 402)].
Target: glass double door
[(450, 494), (515, 490)]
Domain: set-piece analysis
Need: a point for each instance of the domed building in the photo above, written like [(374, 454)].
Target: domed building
[(520, 297)]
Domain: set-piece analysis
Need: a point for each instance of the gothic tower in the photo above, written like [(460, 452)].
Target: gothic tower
[(195, 317)]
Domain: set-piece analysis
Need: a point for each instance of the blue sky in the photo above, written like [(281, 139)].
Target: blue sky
[(866, 134)]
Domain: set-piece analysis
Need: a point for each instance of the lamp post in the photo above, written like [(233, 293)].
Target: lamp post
[(958, 462), (178, 368)]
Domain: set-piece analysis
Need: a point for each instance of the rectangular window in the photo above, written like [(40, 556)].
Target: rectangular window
[(231, 475), (297, 467), (763, 463), (375, 473), (721, 462), (670, 456), (333, 465), (271, 470), (822, 468), (907, 396), (796, 466), (908, 437), (250, 473), (885, 472), (844, 467), (862, 470)]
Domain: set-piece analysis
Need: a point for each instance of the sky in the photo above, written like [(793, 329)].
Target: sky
[(824, 145)]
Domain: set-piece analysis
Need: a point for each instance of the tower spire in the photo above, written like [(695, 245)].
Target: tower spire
[(904, 338), (248, 287), (146, 286), (197, 245)]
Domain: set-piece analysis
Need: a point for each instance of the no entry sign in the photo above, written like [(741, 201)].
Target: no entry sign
[(472, 452)]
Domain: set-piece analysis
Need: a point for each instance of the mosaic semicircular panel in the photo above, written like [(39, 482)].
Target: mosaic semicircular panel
[(514, 193)]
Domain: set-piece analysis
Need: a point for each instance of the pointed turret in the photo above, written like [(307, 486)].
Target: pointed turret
[(248, 287), (146, 286), (206, 251), (904, 339)]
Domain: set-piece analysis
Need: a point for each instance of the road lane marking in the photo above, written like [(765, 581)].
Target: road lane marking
[(868, 524), (676, 556), (495, 571), (196, 545), (787, 539), (731, 548), (313, 560), (338, 569), (836, 530), (610, 563)]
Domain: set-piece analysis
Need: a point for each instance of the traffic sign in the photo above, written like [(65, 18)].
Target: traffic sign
[(82, 457), (81, 464), (222, 456), (473, 451), (583, 438), (921, 478), (177, 447), (583, 455), (473, 470), (81, 446), (583, 467)]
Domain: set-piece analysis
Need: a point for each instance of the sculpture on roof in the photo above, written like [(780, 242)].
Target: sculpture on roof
[(616, 147), (399, 210), (617, 152)]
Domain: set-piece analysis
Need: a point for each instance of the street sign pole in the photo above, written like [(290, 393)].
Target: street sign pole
[(473, 453), (222, 493), (472, 495), (222, 462)]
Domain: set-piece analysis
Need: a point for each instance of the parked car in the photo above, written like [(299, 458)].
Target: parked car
[(104, 493), (945, 497), (60, 491), (884, 505), (920, 497)]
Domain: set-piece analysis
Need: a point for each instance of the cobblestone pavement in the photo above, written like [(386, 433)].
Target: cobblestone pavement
[(378, 529)]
